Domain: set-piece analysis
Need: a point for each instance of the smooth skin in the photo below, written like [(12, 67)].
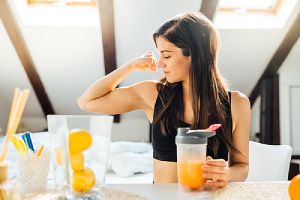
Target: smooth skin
[(103, 97)]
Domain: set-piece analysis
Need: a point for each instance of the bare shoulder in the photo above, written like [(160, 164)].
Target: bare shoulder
[(146, 88), (240, 109), (239, 99), (148, 84), (147, 91)]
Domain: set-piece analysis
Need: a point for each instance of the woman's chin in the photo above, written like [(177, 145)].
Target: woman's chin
[(172, 80)]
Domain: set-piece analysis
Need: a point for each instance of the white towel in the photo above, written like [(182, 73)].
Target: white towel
[(129, 163), (136, 147), (129, 158)]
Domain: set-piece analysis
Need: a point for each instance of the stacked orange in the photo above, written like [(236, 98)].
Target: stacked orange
[(294, 188), (83, 178), (190, 175)]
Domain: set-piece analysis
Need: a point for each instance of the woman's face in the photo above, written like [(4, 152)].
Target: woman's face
[(174, 64)]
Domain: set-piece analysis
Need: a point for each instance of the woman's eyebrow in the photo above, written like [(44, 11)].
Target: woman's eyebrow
[(165, 51)]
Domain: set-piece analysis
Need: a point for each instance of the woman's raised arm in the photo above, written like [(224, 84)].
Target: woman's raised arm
[(103, 96)]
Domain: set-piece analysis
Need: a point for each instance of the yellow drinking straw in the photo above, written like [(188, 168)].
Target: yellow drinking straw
[(19, 144), (40, 151)]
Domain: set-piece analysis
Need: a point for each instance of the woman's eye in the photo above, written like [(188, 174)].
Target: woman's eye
[(167, 57)]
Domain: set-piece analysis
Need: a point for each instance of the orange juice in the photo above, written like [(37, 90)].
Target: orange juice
[(190, 175)]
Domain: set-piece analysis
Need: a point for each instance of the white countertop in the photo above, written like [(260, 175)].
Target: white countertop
[(233, 191)]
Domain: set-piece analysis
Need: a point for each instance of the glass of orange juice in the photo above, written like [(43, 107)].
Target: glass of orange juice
[(191, 154)]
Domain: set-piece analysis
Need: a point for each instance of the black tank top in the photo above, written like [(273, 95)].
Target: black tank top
[(164, 146)]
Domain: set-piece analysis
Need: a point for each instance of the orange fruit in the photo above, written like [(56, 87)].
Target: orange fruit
[(79, 140), (76, 161), (83, 181), (294, 188)]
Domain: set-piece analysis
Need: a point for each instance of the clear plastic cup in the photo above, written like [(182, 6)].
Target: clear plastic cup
[(191, 155), (80, 145)]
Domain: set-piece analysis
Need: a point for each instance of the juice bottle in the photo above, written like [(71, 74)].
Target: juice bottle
[(191, 154)]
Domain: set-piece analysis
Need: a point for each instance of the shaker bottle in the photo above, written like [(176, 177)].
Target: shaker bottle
[(191, 154)]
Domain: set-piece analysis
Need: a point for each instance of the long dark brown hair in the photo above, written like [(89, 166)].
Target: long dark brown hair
[(197, 37)]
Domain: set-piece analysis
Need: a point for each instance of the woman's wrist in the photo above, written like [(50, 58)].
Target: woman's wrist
[(229, 179), (129, 67), (237, 172)]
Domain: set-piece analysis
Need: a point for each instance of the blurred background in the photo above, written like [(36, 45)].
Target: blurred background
[(57, 48)]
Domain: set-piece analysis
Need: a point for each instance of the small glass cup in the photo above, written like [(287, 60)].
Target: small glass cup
[(81, 170)]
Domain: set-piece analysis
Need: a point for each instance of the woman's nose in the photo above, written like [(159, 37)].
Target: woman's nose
[(160, 63)]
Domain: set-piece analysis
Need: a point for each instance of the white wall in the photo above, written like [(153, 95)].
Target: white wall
[(68, 55), (13, 75), (289, 77)]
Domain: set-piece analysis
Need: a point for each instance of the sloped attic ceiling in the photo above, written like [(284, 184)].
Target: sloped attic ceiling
[(69, 55)]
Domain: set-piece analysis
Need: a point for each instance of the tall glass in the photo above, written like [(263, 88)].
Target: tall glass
[(80, 145)]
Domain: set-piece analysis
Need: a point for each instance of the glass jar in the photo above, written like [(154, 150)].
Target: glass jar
[(8, 188), (80, 146)]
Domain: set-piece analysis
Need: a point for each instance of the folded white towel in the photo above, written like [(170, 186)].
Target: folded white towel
[(135, 147), (129, 163)]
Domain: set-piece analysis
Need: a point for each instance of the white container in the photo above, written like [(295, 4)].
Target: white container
[(33, 171)]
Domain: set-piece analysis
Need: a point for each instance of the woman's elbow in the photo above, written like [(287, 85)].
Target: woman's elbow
[(246, 170), (90, 106), (82, 103)]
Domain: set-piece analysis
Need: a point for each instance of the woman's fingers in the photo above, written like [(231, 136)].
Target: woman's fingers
[(154, 63), (144, 62), (214, 166), (216, 162), (212, 185), (209, 185), (215, 176), (151, 63), (213, 169), (220, 184)]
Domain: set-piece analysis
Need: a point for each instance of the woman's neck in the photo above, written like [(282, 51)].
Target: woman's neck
[(188, 115), (186, 91)]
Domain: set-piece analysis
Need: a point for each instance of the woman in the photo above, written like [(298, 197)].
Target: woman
[(192, 93)]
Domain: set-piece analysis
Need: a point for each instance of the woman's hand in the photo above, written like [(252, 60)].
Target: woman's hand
[(216, 172), (146, 62)]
